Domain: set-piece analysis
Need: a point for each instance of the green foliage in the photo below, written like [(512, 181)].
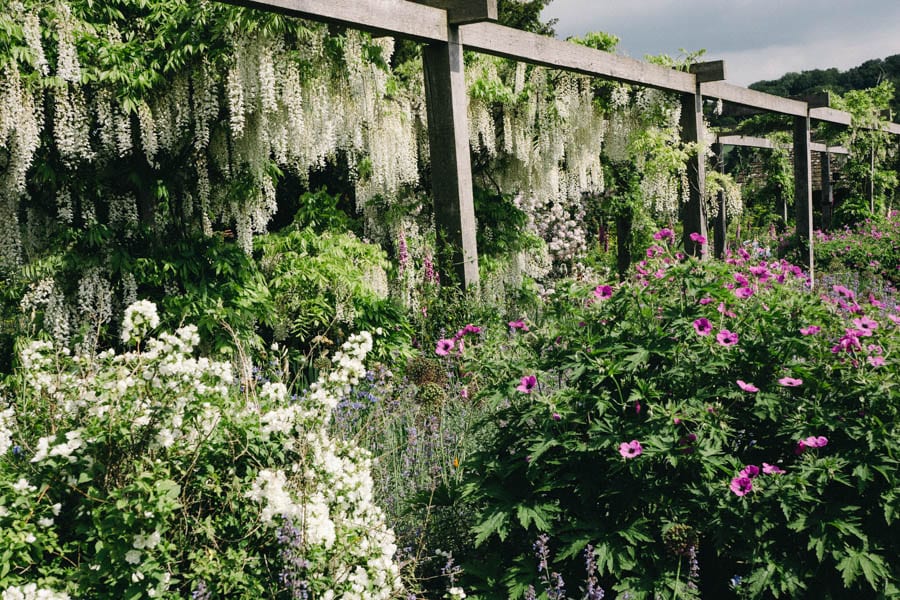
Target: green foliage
[(868, 252), (633, 366), (323, 286)]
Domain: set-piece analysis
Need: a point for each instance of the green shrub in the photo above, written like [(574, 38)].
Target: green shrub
[(652, 400)]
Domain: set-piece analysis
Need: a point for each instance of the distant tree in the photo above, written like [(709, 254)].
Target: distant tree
[(525, 15)]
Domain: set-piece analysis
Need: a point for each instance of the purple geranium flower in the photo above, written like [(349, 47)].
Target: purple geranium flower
[(811, 330), (865, 326), (696, 237), (664, 234), (444, 347), (743, 292), (750, 471), (747, 387), (527, 383), (702, 326), (727, 338), (741, 486), (772, 469), (790, 382), (603, 291), (519, 324), (630, 449)]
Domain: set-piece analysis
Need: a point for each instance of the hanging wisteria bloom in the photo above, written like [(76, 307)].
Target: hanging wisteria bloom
[(727, 338), (630, 449), (702, 326), (527, 383), (790, 382), (444, 347), (747, 387), (741, 486)]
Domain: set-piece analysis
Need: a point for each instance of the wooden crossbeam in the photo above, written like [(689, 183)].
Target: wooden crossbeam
[(747, 141), (830, 115), (461, 12), (507, 42), (380, 17), (753, 99)]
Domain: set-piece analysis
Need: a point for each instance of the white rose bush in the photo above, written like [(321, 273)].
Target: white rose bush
[(153, 473)]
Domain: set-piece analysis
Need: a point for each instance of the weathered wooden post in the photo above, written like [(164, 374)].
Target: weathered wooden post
[(721, 226), (694, 213), (827, 191), (448, 137), (803, 187)]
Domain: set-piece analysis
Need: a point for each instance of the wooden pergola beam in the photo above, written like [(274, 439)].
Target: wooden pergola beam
[(461, 12), (507, 42), (753, 99), (380, 17)]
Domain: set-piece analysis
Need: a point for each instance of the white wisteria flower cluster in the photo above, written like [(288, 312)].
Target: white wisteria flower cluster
[(155, 459)]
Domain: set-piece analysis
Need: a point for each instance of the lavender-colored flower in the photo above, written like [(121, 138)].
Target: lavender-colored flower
[(593, 591)]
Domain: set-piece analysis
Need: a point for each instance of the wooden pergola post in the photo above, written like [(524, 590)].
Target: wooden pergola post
[(448, 137), (721, 225), (827, 191), (694, 213), (803, 187)]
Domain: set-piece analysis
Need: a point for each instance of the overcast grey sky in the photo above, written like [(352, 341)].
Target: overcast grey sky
[(759, 39)]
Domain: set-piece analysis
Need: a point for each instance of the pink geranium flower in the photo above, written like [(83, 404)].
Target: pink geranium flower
[(747, 387), (865, 326), (743, 292), (444, 347), (790, 382), (875, 361), (772, 469), (702, 326), (630, 449), (741, 486), (750, 471), (846, 293), (811, 330), (705, 301), (696, 237), (664, 234), (527, 383), (603, 291), (815, 441), (727, 338), (520, 324)]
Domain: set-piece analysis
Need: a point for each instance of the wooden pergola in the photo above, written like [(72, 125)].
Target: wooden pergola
[(447, 27)]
